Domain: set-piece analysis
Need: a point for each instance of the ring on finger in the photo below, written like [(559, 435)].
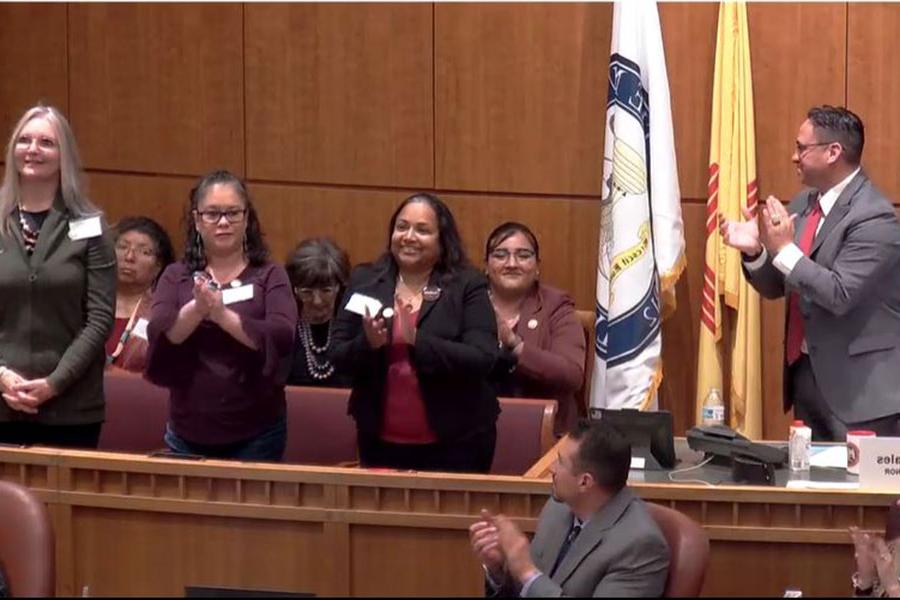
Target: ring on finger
[(776, 221)]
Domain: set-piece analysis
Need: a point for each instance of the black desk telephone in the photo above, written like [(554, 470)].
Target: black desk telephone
[(719, 440)]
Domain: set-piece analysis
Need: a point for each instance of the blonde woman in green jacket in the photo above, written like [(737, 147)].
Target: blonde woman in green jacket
[(57, 290)]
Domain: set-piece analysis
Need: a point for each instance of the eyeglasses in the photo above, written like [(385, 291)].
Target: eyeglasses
[(145, 251), (307, 294), (802, 148), (212, 217), (502, 254)]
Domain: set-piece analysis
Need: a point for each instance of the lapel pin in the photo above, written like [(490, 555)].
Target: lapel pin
[(431, 293), (532, 324)]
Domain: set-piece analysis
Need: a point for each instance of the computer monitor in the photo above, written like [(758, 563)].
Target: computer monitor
[(648, 432)]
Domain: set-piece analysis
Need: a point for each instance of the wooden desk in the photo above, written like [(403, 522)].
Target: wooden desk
[(131, 525)]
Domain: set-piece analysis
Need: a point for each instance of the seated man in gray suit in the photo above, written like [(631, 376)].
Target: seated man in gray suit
[(834, 254), (594, 537)]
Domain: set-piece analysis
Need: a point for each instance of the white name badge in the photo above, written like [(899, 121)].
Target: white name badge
[(140, 329), (82, 229), (879, 463), (238, 294), (359, 302)]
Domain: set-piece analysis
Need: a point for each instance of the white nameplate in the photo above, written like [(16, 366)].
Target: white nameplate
[(81, 229), (238, 294), (140, 329), (879, 463), (638, 462), (359, 302)]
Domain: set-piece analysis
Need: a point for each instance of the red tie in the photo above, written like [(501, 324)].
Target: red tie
[(795, 331)]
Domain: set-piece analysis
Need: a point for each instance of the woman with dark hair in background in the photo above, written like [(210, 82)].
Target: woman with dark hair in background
[(143, 250), (57, 290), (221, 331), (541, 340), (417, 332), (318, 270)]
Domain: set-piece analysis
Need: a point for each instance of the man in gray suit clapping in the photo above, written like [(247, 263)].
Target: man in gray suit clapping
[(834, 254), (594, 536)]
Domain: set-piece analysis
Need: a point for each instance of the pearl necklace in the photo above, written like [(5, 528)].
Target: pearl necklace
[(317, 370)]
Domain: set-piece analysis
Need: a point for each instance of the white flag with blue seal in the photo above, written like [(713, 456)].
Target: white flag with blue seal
[(641, 250)]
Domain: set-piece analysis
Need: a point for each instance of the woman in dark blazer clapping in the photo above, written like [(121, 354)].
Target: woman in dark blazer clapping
[(57, 290), (421, 359)]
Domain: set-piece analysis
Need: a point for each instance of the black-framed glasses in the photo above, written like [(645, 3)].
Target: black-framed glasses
[(232, 215), (502, 254), (802, 148)]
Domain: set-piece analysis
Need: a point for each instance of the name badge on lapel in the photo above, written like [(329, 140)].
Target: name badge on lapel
[(82, 229), (237, 294), (140, 329)]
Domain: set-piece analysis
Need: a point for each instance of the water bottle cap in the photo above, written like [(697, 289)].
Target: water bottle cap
[(799, 423)]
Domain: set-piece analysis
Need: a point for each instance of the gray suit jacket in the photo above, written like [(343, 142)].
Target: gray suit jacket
[(620, 552), (849, 290)]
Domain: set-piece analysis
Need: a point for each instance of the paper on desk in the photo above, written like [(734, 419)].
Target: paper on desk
[(359, 302), (803, 484), (829, 456)]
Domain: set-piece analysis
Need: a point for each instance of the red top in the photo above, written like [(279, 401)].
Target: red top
[(404, 420), (113, 340)]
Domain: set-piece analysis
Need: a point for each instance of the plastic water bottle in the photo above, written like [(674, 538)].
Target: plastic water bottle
[(713, 408), (799, 443)]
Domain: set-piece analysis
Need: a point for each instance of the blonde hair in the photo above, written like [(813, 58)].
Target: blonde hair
[(71, 177)]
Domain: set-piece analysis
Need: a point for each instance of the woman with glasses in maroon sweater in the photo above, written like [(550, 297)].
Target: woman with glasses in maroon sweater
[(221, 331)]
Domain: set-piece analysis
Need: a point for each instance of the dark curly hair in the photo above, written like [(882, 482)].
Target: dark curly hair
[(255, 248)]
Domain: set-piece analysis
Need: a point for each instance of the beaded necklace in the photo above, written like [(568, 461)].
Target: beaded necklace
[(319, 368)]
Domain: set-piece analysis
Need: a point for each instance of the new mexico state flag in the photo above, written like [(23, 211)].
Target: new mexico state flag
[(732, 185)]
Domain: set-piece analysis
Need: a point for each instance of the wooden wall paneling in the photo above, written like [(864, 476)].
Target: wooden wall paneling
[(120, 553), (409, 566), (775, 570), (798, 53), (340, 93), (873, 85), (520, 96), (357, 220), (33, 67), (164, 199), (158, 88), (689, 36)]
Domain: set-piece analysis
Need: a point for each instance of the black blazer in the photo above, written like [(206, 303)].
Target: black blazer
[(455, 350)]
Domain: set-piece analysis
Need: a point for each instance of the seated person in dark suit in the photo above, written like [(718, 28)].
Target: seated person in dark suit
[(594, 536)]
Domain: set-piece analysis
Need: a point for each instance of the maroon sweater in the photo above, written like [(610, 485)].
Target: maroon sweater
[(222, 391)]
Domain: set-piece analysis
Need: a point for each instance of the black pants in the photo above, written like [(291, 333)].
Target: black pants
[(811, 407), (61, 436), (471, 454)]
